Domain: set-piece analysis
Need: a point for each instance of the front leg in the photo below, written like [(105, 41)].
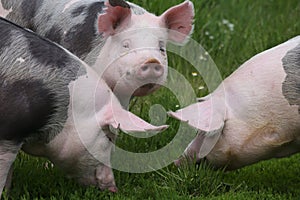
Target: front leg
[(192, 151), (8, 153), (9, 179), (200, 147)]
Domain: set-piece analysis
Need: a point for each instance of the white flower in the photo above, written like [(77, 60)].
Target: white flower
[(231, 27), (225, 21), (194, 74), (228, 24)]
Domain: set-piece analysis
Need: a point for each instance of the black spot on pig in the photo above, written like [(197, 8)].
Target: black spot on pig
[(54, 34), (78, 11), (25, 107), (291, 85), (47, 55), (121, 3), (51, 68), (44, 51), (29, 9), (79, 39)]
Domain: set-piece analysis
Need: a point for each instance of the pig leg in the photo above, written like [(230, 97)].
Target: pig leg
[(199, 147), (9, 179), (192, 151), (8, 153)]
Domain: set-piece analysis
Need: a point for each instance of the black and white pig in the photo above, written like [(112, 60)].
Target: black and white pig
[(53, 105), (120, 40), (253, 115)]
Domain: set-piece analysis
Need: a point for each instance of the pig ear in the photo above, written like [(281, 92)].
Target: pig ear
[(179, 20), (206, 116), (114, 19), (118, 118)]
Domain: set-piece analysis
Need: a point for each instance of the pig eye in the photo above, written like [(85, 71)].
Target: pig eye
[(126, 45), (110, 136), (162, 47)]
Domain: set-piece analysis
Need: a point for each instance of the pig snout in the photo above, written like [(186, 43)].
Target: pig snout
[(151, 69), (106, 180)]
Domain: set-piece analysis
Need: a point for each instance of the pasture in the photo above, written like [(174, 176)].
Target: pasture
[(231, 31)]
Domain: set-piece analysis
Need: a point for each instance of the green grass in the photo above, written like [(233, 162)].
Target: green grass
[(258, 25)]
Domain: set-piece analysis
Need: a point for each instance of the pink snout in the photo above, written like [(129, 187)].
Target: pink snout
[(151, 69), (105, 178)]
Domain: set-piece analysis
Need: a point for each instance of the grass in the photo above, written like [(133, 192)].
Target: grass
[(258, 25)]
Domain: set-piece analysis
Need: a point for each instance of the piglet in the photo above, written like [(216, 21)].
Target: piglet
[(253, 115), (53, 105)]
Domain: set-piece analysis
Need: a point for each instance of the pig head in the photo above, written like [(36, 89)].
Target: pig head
[(120, 40), (134, 54), (253, 115)]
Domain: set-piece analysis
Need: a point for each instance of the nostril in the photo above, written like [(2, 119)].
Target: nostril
[(151, 71), (158, 68), (145, 68)]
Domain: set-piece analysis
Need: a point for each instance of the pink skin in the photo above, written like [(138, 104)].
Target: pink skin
[(247, 117), (4, 12), (139, 63)]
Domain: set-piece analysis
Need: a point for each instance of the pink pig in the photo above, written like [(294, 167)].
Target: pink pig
[(253, 115)]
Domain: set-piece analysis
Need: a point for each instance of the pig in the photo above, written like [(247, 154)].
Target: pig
[(120, 40), (253, 115), (54, 105)]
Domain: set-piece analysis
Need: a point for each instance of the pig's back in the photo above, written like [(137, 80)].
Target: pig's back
[(73, 24), (260, 79), (255, 92), (264, 66)]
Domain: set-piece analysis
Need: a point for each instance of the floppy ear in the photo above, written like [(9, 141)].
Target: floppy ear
[(114, 19), (179, 20), (116, 117), (207, 116)]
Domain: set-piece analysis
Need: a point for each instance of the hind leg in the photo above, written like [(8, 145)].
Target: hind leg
[(8, 153)]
